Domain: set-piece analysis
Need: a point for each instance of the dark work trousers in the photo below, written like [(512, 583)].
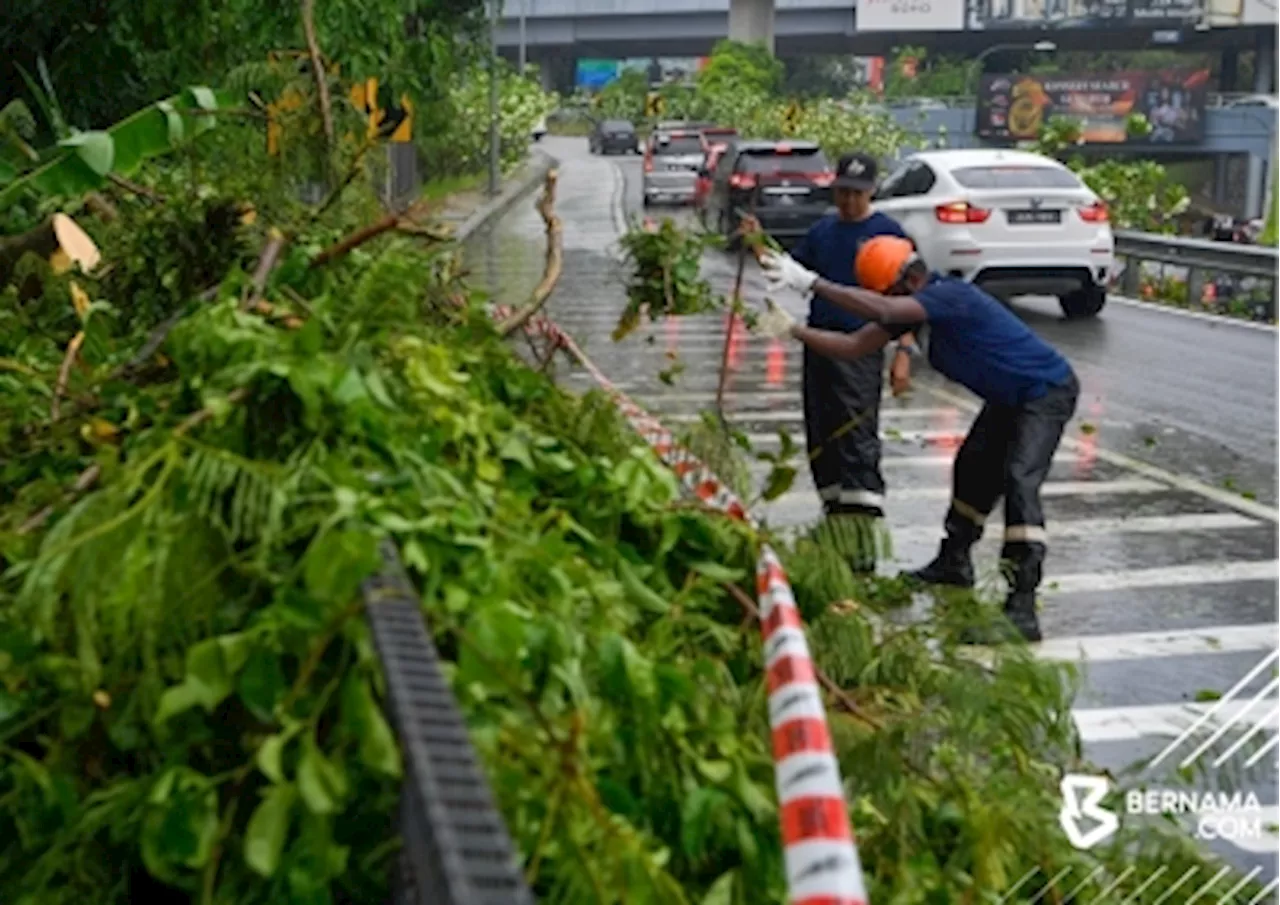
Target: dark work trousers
[(1007, 453), (842, 431)]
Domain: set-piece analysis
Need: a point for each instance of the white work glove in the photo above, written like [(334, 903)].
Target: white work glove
[(774, 322), (782, 272)]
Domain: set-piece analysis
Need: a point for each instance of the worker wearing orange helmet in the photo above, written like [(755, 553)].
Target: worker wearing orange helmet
[(1028, 388)]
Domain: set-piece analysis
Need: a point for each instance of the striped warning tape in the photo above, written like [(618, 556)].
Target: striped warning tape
[(820, 850)]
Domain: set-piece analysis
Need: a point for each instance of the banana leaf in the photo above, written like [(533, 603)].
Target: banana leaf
[(86, 159)]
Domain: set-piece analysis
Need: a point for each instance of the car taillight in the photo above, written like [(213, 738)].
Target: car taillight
[(742, 181), (823, 180), (1094, 213), (961, 212)]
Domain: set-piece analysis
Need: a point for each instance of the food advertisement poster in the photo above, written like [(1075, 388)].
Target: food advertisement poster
[(1014, 107)]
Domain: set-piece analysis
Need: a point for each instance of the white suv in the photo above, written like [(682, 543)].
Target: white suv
[(1013, 222)]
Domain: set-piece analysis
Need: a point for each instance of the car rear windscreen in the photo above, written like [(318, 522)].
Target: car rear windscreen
[(617, 125), (1015, 177), (795, 162), (678, 145)]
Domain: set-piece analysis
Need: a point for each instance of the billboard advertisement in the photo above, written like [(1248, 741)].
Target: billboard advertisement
[(595, 74), (1014, 107), (1229, 13), (992, 15), (909, 15)]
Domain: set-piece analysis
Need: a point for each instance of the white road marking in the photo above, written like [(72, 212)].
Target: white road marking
[(797, 418), (1221, 639), (1165, 577), (953, 438), (1120, 724), (1218, 319), (1226, 498), (1150, 524), (1048, 489)]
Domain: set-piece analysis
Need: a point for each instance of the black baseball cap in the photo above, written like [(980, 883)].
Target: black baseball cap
[(857, 171)]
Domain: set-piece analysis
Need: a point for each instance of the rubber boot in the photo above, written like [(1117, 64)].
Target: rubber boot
[(1024, 563), (1020, 609), (952, 566)]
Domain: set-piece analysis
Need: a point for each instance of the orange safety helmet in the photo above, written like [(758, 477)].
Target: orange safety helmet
[(881, 261)]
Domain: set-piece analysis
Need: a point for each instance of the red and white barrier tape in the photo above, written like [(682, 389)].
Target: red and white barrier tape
[(818, 843)]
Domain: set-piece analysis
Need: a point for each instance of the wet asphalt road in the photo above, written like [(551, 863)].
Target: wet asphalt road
[(1161, 573)]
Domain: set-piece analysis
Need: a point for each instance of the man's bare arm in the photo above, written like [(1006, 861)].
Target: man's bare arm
[(868, 339), (872, 306)]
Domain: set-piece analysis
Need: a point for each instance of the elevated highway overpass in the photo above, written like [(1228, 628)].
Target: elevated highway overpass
[(630, 28)]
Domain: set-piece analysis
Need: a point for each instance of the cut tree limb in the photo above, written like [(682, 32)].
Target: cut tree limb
[(317, 69), (554, 263), (59, 239), (276, 242), (64, 373), (344, 245)]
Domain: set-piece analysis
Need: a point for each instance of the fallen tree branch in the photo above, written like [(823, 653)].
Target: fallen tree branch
[(343, 246), (554, 262), (135, 188), (317, 69), (195, 419), (84, 481), (352, 172), (101, 207), (64, 373), (266, 263), (846, 702)]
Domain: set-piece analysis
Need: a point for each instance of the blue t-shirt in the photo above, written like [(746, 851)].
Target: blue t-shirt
[(980, 344), (829, 250)]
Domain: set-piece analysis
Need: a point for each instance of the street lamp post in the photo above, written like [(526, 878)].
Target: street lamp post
[(524, 4), (975, 72), (493, 98)]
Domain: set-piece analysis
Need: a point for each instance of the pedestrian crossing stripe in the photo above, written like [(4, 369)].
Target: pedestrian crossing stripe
[(809, 498), (1166, 576), (1129, 723), (797, 418), (1148, 524), (1218, 639)]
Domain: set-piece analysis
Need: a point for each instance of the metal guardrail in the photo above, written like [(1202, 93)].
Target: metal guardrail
[(456, 849), (1202, 259)]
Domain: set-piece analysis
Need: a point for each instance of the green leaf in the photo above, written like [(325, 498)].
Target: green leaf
[(268, 828), (721, 891), (495, 635), (516, 449), (205, 99), (143, 135), (96, 149), (716, 572), (173, 121), (780, 479), (365, 722), (320, 783), (337, 562), (180, 826), (212, 666), (262, 683)]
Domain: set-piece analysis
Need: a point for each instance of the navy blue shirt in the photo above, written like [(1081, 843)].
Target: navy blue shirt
[(829, 250), (980, 344)]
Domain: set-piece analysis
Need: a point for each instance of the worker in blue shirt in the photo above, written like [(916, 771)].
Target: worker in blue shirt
[(842, 396), (1028, 388)]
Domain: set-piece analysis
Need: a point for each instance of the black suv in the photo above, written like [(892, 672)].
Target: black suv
[(786, 184), (614, 136)]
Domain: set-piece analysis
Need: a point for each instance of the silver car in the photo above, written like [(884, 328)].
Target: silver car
[(671, 162)]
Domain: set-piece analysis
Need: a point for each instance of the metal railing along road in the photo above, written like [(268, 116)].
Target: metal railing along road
[(1247, 268)]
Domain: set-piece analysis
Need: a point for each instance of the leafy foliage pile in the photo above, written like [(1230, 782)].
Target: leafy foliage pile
[(666, 274), (188, 691)]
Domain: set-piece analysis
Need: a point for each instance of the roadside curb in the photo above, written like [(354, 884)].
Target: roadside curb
[(535, 171), (1205, 316)]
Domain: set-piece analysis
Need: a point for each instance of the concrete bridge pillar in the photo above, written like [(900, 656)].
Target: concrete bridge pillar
[(751, 21)]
